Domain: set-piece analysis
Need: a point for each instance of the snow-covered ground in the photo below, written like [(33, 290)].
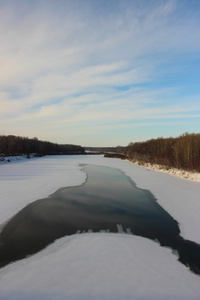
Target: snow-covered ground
[(194, 176), (98, 265)]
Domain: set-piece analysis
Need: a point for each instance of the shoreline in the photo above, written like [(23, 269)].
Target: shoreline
[(184, 174), (188, 175)]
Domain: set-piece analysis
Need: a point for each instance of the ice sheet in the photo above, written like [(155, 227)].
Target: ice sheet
[(101, 265)]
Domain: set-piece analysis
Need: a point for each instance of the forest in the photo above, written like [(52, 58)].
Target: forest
[(16, 145), (182, 152)]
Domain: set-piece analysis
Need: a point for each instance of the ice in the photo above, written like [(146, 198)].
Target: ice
[(101, 264), (98, 265)]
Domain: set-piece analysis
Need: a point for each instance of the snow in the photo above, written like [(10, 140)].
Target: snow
[(25, 181), (194, 176), (98, 265)]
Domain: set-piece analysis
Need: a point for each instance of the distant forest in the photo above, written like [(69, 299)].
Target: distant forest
[(16, 145), (182, 152)]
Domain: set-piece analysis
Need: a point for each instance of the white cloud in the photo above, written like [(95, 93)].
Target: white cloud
[(65, 65)]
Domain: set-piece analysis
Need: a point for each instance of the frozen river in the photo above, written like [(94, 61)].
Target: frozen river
[(108, 201), (100, 265)]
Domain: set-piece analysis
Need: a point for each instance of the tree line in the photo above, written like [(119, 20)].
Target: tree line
[(182, 152), (16, 145), (102, 150)]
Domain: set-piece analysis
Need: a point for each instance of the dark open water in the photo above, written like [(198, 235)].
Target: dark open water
[(108, 199)]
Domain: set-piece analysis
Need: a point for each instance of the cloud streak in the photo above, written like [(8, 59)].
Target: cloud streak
[(82, 66)]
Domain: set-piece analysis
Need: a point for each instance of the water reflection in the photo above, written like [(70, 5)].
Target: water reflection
[(106, 199)]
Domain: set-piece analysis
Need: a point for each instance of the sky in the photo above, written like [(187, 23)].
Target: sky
[(99, 72)]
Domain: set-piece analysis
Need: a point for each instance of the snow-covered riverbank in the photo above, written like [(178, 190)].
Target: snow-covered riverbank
[(101, 265), (194, 176), (13, 159), (189, 175)]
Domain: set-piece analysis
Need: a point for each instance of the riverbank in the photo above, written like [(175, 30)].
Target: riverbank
[(193, 176), (189, 175), (15, 158)]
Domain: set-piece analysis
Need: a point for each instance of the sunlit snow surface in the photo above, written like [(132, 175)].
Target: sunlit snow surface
[(101, 265)]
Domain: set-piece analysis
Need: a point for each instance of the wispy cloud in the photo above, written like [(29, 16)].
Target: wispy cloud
[(69, 65)]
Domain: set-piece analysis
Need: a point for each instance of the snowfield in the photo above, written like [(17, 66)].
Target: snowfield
[(98, 265)]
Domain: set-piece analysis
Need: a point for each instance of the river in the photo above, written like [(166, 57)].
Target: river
[(108, 201)]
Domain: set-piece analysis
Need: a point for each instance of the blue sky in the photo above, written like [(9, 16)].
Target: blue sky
[(97, 72)]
